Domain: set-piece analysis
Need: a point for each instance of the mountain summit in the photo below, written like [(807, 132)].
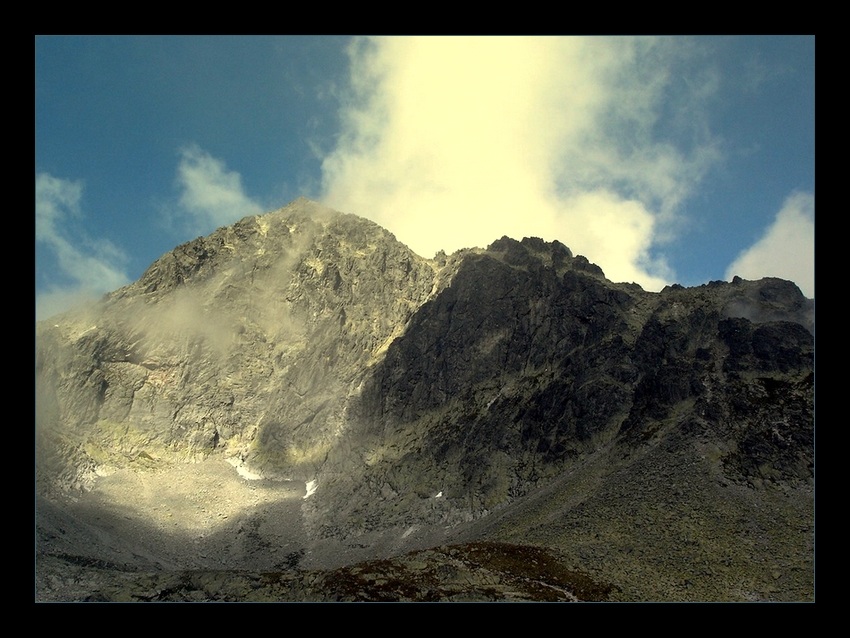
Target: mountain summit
[(342, 399)]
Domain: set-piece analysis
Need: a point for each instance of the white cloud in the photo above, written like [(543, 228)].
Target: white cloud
[(211, 196), (786, 249), (87, 268), (452, 142), (54, 199)]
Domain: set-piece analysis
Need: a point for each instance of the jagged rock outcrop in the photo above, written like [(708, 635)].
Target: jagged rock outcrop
[(423, 396), (524, 364)]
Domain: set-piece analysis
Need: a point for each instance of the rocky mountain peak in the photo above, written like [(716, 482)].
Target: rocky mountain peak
[(416, 396)]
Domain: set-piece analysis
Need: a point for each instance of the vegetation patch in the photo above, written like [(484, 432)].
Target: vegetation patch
[(482, 571)]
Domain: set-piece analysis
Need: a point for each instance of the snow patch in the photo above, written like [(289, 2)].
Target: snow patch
[(410, 530), (243, 471), (310, 487)]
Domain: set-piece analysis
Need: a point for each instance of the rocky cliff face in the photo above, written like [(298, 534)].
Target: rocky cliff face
[(421, 394), (245, 343)]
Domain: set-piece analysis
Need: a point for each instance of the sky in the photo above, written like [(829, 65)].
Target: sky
[(661, 159)]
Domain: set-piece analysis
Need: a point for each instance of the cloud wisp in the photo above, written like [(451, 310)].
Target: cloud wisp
[(452, 142), (86, 268), (211, 196), (786, 249)]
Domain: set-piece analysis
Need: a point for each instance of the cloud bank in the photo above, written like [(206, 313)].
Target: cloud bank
[(86, 268), (452, 142), (786, 249)]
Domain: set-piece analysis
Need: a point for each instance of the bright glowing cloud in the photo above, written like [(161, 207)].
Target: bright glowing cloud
[(86, 268), (211, 196), (452, 142), (786, 249)]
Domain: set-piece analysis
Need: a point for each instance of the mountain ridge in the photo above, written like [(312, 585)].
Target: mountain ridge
[(423, 399)]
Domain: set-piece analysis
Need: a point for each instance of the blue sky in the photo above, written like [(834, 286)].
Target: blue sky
[(663, 160)]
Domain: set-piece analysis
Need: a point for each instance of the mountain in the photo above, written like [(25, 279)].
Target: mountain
[(298, 401)]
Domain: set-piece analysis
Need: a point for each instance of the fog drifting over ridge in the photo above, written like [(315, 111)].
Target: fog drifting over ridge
[(453, 142), (612, 145)]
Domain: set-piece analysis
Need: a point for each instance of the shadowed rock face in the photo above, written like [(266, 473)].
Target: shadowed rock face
[(523, 365), (448, 394)]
